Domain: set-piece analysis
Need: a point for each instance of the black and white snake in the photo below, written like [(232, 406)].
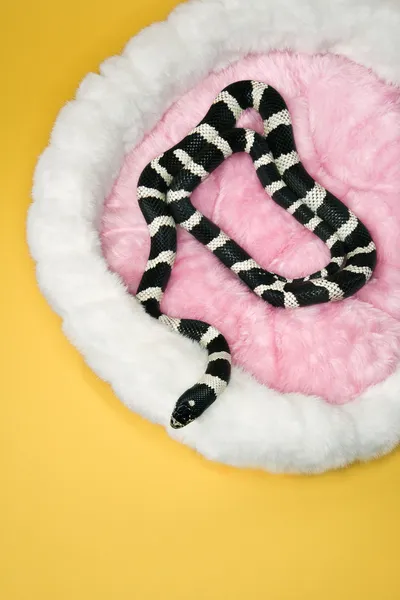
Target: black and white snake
[(164, 191)]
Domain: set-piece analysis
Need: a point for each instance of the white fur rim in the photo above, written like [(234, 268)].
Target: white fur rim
[(148, 366)]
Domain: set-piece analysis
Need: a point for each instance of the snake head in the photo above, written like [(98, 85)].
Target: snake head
[(184, 411)]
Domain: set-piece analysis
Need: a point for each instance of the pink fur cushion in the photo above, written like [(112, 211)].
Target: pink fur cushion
[(347, 130)]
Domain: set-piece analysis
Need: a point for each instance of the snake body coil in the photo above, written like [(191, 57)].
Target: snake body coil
[(164, 191)]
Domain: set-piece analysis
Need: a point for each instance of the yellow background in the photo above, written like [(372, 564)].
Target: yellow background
[(95, 502)]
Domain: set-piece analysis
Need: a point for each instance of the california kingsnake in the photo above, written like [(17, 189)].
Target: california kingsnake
[(164, 191)]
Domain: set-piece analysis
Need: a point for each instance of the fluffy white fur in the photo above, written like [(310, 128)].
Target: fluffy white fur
[(147, 366)]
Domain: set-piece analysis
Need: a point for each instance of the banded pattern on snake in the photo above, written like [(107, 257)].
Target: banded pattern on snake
[(164, 190)]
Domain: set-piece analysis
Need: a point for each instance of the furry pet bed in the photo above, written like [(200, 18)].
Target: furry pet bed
[(314, 388)]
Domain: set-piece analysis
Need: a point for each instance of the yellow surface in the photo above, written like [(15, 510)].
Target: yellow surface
[(97, 503)]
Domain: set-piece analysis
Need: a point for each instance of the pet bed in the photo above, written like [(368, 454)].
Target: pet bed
[(312, 388)]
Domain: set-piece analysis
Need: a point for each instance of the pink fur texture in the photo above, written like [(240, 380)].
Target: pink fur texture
[(347, 130)]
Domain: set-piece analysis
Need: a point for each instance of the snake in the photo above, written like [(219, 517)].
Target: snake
[(164, 192)]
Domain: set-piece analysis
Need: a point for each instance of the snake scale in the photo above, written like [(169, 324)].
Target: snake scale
[(164, 191)]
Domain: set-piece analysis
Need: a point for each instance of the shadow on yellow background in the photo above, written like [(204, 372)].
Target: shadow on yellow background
[(95, 502)]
